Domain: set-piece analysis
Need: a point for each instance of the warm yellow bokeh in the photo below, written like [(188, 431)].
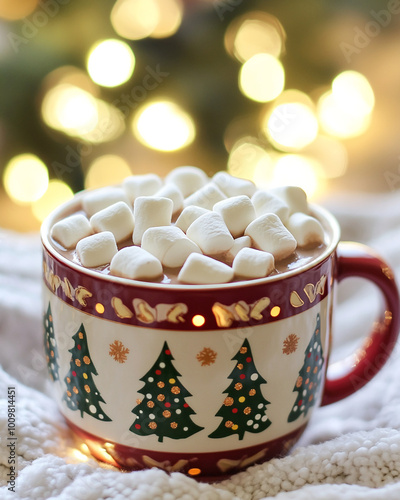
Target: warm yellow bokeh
[(110, 63), (57, 193), (170, 14), (107, 170), (164, 126), (298, 170), (262, 78), (135, 19), (17, 9), (250, 161), (25, 178)]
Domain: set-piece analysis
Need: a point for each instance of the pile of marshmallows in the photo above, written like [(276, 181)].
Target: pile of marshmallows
[(189, 221)]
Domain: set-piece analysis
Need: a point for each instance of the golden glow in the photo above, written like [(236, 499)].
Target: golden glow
[(25, 178), (17, 10), (170, 13), (110, 63), (135, 19), (291, 126), (106, 170), (275, 311), (57, 192), (297, 170), (99, 308), (262, 78), (79, 455), (249, 161), (164, 126), (77, 113), (331, 154), (198, 320)]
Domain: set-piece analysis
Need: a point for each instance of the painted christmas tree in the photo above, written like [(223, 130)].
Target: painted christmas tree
[(244, 407), (307, 382), (50, 346), (82, 393), (163, 410)]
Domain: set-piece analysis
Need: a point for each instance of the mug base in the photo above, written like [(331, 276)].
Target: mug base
[(206, 467)]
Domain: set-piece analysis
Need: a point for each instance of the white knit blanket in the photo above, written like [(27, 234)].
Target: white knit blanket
[(351, 450)]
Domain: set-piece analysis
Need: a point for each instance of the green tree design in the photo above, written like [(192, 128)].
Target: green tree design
[(163, 410), (50, 345), (244, 408), (82, 393), (308, 380)]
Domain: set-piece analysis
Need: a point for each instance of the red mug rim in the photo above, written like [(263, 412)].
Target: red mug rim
[(323, 214)]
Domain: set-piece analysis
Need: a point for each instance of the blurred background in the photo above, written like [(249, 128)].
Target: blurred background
[(279, 92)]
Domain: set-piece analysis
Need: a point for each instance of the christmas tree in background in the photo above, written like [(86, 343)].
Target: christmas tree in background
[(307, 382), (163, 411), (82, 393), (50, 346), (244, 407)]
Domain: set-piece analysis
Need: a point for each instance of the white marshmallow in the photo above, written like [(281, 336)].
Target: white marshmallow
[(141, 185), (70, 230), (269, 234), (173, 193), (150, 211), (169, 244), (187, 179), (307, 230), (136, 263), (234, 186), (210, 233), (252, 263), (200, 269), (238, 244), (294, 197), (189, 215), (265, 203), (117, 218), (97, 249), (96, 200), (205, 197), (237, 213)]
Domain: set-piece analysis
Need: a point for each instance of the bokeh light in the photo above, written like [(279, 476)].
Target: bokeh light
[(17, 9), (107, 170), (169, 18), (298, 170), (57, 193), (110, 63), (135, 19), (254, 33), (262, 78), (25, 178), (249, 160), (353, 91), (331, 154), (291, 126), (164, 126)]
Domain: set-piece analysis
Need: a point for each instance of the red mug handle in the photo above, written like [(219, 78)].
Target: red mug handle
[(347, 376)]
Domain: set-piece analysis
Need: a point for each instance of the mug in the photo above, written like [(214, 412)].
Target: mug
[(204, 379)]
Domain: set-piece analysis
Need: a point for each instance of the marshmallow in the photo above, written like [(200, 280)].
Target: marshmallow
[(136, 263), (307, 230), (96, 200), (97, 249), (141, 185), (237, 213), (187, 179), (238, 244), (265, 203), (189, 215), (234, 186), (117, 218), (169, 244), (269, 234), (252, 263), (150, 211), (205, 197), (210, 233), (294, 197), (200, 269), (70, 230), (173, 193)]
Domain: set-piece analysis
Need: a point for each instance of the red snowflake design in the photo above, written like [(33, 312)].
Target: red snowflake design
[(290, 344), (206, 357)]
